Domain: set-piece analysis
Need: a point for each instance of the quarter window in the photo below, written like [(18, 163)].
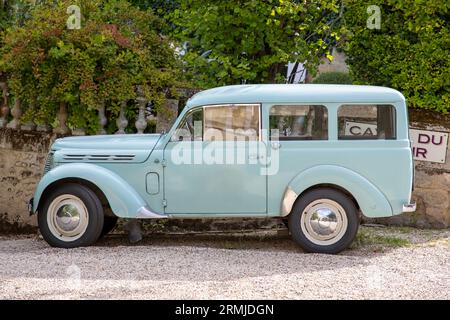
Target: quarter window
[(299, 122), (366, 122), (191, 127)]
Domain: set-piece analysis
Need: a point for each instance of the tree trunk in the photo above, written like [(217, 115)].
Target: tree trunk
[(273, 71)]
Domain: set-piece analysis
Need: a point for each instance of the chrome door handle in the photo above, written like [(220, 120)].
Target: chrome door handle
[(275, 145)]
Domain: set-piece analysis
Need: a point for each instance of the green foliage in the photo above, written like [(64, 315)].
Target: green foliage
[(15, 12), (333, 78), (411, 51), (117, 48), (160, 7), (377, 238), (231, 42)]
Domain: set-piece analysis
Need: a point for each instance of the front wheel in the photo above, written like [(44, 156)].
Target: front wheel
[(324, 221), (71, 216)]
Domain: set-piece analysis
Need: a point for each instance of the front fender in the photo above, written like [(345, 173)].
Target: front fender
[(370, 199), (125, 202)]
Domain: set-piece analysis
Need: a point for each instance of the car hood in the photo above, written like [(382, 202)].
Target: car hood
[(106, 148)]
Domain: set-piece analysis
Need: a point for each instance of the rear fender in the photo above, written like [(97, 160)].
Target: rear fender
[(370, 199)]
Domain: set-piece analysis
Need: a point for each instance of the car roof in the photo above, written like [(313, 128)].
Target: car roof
[(295, 93)]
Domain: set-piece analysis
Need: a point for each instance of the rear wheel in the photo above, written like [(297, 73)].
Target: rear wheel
[(324, 221), (71, 216)]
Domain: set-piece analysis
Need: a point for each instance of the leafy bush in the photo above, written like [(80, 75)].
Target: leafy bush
[(232, 42), (117, 48), (160, 7), (411, 51), (333, 78)]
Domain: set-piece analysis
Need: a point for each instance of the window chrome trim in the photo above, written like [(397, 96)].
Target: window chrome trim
[(186, 115)]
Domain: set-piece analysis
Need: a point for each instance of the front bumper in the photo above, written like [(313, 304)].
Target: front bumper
[(410, 207)]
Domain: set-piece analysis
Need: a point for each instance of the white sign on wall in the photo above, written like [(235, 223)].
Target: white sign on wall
[(429, 145), (426, 145), (360, 129)]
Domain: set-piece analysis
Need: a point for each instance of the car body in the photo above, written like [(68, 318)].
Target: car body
[(251, 151)]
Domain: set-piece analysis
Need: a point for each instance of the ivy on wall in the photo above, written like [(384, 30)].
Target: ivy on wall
[(115, 48)]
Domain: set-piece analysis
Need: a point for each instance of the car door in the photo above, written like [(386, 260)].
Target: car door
[(212, 162), (299, 140)]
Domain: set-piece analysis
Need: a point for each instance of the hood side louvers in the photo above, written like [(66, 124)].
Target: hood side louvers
[(98, 157)]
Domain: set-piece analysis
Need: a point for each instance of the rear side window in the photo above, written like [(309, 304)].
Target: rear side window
[(299, 122), (366, 122)]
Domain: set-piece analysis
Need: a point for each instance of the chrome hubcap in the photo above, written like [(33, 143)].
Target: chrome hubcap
[(324, 222), (67, 217)]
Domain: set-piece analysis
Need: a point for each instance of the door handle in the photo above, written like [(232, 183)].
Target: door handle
[(275, 145)]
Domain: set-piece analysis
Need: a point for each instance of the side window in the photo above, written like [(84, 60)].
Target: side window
[(366, 122), (232, 123), (191, 127), (299, 122)]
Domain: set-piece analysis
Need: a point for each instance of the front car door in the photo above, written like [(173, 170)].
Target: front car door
[(213, 162)]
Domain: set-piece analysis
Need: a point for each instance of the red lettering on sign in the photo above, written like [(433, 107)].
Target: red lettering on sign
[(440, 141), (419, 152), (424, 138)]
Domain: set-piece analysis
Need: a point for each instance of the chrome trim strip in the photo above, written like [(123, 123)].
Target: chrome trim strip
[(288, 201), (146, 213), (409, 207)]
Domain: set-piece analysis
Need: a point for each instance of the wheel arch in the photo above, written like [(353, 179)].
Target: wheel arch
[(54, 185), (330, 186), (111, 189), (366, 196)]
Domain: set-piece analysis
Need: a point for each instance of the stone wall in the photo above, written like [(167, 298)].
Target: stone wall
[(338, 63), (432, 180), (22, 157)]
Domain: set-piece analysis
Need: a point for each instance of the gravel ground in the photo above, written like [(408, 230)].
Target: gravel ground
[(384, 263)]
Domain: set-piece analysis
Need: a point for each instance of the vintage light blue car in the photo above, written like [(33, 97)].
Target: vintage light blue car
[(315, 155)]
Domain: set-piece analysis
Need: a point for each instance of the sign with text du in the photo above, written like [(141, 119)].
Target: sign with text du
[(429, 145)]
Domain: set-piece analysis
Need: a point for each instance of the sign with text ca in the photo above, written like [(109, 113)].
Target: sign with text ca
[(426, 145)]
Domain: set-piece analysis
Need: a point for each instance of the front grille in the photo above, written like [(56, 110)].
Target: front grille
[(48, 163)]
